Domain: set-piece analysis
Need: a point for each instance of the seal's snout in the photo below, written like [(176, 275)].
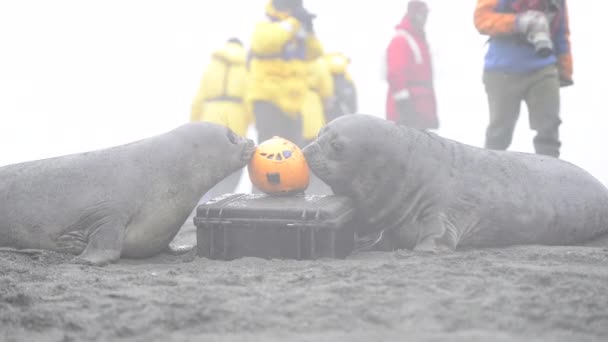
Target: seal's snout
[(248, 150), (315, 160), (310, 151)]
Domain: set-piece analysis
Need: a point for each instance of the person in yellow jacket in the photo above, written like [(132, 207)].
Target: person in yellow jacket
[(221, 99), (281, 49), (221, 95)]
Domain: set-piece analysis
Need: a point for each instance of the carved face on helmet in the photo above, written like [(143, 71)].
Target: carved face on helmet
[(278, 167)]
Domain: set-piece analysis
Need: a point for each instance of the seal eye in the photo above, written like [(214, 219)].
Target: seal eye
[(337, 146), (232, 137)]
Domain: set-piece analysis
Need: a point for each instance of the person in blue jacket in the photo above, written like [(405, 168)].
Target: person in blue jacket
[(528, 59)]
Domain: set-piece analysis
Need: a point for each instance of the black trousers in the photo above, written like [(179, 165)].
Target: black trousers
[(270, 120)]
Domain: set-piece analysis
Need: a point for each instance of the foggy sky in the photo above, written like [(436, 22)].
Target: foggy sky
[(82, 75)]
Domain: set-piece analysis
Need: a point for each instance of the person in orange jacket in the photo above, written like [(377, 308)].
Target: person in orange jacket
[(528, 59)]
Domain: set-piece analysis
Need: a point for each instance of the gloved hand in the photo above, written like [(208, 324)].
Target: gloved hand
[(305, 18), (565, 82), (564, 68), (530, 21), (406, 112), (534, 26)]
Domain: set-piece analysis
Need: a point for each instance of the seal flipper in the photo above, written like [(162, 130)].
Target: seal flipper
[(179, 249), (436, 235), (101, 229), (105, 244), (73, 242)]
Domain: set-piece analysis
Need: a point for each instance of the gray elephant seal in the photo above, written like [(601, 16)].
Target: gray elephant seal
[(128, 200), (433, 194)]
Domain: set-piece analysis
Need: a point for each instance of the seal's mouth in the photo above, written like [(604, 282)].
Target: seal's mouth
[(318, 164), (248, 150), (313, 154), (320, 170), (311, 150)]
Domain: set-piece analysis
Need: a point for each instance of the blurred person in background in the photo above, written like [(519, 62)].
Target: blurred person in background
[(344, 100), (221, 99), (409, 72), (331, 93), (282, 48), (528, 59), (317, 100)]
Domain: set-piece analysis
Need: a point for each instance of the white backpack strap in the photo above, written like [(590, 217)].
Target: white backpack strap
[(413, 45)]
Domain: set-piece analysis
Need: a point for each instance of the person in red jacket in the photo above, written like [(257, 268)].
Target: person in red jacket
[(411, 96)]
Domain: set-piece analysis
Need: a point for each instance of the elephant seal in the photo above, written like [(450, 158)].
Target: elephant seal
[(433, 194), (127, 201)]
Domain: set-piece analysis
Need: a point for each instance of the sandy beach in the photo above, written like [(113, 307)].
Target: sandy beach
[(515, 294)]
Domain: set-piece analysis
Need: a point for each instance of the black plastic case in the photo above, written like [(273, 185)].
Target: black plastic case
[(275, 227)]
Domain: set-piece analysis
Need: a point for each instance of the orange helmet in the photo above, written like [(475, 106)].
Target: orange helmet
[(278, 167)]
